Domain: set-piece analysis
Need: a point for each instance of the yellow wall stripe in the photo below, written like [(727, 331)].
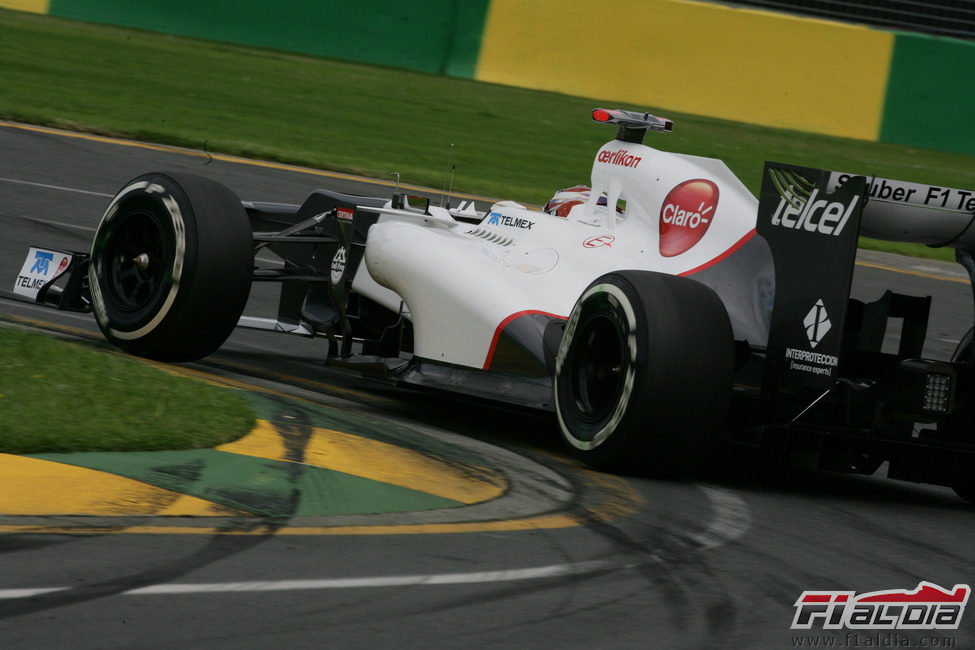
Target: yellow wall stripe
[(744, 65), (33, 6)]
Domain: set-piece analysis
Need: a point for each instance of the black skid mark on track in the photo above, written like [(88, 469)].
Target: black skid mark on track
[(188, 472), (18, 543), (483, 596), (294, 426), (699, 605), (218, 548), (295, 429)]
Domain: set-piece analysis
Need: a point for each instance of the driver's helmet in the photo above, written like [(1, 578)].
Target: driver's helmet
[(564, 200)]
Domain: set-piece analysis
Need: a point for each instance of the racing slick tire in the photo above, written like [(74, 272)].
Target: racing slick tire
[(644, 373), (965, 351), (171, 266), (964, 484)]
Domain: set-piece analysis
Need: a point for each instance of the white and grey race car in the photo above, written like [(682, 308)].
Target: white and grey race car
[(653, 311)]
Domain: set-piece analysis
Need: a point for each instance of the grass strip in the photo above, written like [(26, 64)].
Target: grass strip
[(507, 142), (57, 396)]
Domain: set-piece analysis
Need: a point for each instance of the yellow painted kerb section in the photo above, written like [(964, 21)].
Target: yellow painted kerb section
[(379, 461), (737, 64), (33, 6), (32, 486)]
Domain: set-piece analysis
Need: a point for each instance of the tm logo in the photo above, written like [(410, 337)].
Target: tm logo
[(817, 323), (42, 263)]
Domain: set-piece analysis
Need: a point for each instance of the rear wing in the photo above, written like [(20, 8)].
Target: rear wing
[(811, 219), (914, 212)]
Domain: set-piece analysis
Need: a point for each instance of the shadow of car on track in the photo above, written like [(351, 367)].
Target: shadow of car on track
[(745, 469)]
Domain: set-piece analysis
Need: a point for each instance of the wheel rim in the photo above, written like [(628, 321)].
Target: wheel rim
[(597, 368), (135, 261)]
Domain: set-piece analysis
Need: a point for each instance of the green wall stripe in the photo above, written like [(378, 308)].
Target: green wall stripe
[(435, 36), (930, 94), (464, 45)]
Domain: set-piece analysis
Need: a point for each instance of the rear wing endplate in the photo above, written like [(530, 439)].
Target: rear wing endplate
[(812, 233)]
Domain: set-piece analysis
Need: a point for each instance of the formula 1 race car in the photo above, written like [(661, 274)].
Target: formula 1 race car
[(658, 309)]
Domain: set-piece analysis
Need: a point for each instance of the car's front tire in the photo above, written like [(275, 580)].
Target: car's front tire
[(644, 372), (171, 266)]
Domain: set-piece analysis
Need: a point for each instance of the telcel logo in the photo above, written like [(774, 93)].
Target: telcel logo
[(814, 214)]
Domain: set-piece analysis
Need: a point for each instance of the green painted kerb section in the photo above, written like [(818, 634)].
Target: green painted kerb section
[(931, 94), (435, 36), (268, 488)]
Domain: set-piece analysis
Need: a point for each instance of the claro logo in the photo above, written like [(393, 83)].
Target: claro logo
[(686, 215), (814, 214), (622, 157)]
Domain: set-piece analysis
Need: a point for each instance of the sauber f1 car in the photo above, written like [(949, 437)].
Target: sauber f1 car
[(655, 311)]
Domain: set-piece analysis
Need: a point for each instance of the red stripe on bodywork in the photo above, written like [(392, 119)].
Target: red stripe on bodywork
[(505, 323), (722, 256)]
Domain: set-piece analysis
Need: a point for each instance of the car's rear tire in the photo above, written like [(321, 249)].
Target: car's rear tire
[(171, 266), (964, 486), (965, 350), (644, 372)]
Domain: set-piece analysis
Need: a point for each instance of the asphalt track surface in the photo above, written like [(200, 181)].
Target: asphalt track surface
[(564, 557)]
